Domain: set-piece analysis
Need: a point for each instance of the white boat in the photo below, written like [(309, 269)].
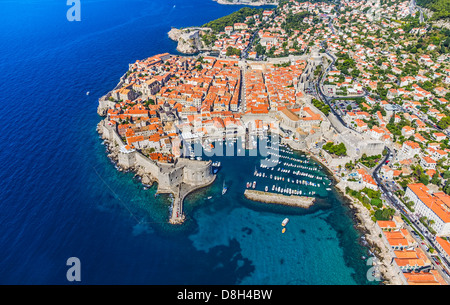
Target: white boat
[(285, 221), (87, 93), (266, 188), (224, 189), (254, 184)]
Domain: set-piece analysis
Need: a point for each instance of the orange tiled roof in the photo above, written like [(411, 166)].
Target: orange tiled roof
[(438, 202)]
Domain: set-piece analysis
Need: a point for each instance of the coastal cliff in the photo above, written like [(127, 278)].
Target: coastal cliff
[(179, 178), (189, 40), (104, 103)]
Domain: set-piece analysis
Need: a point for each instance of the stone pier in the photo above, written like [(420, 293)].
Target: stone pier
[(180, 193), (290, 200), (178, 178)]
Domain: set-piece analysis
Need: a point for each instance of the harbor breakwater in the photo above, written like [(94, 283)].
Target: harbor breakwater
[(179, 178), (291, 200)]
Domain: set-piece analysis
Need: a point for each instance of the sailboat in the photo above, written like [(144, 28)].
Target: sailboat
[(224, 189)]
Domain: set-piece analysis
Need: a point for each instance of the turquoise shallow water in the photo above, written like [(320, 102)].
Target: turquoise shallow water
[(320, 245), (61, 196)]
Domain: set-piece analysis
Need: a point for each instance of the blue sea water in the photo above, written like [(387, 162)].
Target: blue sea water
[(61, 197)]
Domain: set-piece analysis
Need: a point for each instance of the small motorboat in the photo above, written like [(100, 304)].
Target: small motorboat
[(224, 189), (284, 230), (285, 221)]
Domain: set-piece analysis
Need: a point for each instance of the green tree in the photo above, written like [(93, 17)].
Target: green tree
[(219, 25), (424, 178), (435, 179), (444, 122), (260, 50), (233, 51), (446, 188), (384, 214), (339, 150), (376, 202), (446, 174)]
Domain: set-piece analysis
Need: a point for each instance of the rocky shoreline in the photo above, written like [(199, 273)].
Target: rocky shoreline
[(113, 154), (366, 227), (360, 216), (189, 39), (148, 180), (389, 276)]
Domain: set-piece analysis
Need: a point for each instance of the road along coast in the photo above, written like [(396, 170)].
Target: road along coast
[(370, 234)]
